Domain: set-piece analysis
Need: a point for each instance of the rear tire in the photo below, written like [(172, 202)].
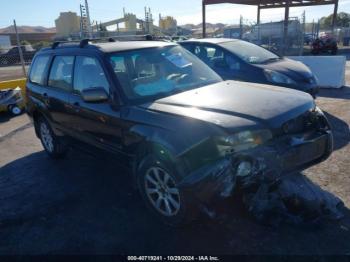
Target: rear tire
[(15, 110), (53, 145), (157, 183)]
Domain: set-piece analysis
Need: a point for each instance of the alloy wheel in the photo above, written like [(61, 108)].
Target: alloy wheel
[(162, 192), (46, 137)]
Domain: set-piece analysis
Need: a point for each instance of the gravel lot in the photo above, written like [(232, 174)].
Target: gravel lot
[(86, 205), (11, 72)]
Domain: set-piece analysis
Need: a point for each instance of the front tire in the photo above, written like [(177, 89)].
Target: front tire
[(157, 182), (52, 144)]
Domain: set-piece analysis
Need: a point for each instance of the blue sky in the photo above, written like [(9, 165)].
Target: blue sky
[(44, 12)]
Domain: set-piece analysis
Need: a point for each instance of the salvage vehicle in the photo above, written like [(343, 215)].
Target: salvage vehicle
[(187, 134), (235, 59), (325, 44), (11, 100), (12, 56)]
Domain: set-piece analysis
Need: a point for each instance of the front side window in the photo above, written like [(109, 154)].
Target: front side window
[(249, 52), (159, 72), (38, 70), (88, 73), (61, 72)]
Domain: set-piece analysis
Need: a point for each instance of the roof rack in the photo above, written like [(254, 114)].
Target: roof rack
[(84, 42)]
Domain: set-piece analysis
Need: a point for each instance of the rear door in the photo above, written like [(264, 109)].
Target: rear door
[(98, 124), (58, 91)]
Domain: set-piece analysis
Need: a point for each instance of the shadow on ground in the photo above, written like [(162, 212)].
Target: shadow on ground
[(340, 93), (341, 131), (5, 116), (84, 205)]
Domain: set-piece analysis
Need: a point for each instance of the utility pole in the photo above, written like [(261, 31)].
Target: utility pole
[(20, 49), (240, 27), (302, 34), (88, 18), (81, 22)]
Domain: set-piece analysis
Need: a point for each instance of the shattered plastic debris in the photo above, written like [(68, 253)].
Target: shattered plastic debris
[(294, 199)]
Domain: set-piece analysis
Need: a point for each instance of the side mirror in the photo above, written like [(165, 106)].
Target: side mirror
[(94, 95)]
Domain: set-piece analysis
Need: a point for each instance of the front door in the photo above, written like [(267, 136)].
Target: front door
[(98, 124)]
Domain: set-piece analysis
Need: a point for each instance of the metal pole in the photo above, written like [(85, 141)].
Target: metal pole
[(203, 20), (240, 27), (20, 50), (88, 19), (302, 34), (258, 22), (81, 22), (285, 28), (334, 20)]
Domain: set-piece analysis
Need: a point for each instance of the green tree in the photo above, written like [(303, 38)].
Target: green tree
[(41, 44), (25, 42), (343, 20)]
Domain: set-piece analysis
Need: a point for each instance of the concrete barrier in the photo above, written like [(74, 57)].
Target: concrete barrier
[(330, 70)]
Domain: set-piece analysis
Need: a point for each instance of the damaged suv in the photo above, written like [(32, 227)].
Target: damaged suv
[(188, 135)]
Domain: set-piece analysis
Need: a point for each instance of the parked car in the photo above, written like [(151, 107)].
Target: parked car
[(325, 44), (11, 100), (12, 56), (240, 60), (187, 134)]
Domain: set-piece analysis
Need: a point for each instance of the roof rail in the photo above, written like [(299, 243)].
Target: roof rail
[(84, 42), (57, 43)]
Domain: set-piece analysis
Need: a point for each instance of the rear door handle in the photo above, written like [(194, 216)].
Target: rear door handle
[(46, 98), (76, 106)]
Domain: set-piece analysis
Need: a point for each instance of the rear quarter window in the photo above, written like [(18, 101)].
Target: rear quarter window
[(39, 69)]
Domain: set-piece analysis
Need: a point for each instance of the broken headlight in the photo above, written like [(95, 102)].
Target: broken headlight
[(242, 141)]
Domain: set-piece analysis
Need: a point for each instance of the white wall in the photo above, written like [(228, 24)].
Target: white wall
[(330, 70)]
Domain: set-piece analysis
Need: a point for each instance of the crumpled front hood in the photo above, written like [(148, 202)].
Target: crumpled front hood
[(233, 104), (294, 69)]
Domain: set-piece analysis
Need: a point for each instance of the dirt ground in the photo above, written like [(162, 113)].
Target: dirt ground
[(11, 72), (87, 205)]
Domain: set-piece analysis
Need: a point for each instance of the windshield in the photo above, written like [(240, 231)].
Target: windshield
[(249, 52), (149, 74)]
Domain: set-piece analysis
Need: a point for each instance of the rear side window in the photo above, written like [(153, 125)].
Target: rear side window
[(38, 71), (61, 72), (89, 73)]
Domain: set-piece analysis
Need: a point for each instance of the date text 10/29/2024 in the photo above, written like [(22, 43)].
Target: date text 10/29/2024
[(173, 258)]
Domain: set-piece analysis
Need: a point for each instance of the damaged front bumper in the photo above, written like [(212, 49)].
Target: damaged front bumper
[(267, 164), (284, 155), (213, 181)]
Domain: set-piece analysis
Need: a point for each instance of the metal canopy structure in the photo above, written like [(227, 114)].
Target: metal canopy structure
[(266, 4)]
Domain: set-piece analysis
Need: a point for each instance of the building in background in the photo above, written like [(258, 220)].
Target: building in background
[(130, 22), (5, 42), (68, 23), (168, 24)]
